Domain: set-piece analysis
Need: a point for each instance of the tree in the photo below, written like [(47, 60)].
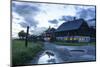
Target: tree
[(22, 34)]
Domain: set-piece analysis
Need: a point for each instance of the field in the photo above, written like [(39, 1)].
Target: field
[(22, 54)]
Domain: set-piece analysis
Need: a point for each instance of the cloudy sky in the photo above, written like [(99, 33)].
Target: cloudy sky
[(39, 16)]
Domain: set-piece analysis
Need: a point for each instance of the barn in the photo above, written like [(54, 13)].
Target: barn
[(76, 30)]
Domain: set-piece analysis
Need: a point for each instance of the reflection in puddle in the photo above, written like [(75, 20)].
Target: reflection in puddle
[(89, 57), (52, 60), (49, 53), (47, 58), (77, 52)]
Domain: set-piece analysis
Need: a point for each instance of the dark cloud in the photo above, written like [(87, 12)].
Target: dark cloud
[(92, 23), (86, 13), (28, 12), (82, 13), (54, 21), (38, 31), (23, 24), (31, 22), (25, 10), (17, 18), (66, 18)]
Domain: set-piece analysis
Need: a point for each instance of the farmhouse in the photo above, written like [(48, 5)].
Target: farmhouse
[(76, 30), (49, 34)]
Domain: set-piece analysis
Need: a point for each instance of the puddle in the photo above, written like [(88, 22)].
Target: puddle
[(77, 52), (89, 57), (48, 57)]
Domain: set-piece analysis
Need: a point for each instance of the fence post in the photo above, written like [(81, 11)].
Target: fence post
[(26, 39)]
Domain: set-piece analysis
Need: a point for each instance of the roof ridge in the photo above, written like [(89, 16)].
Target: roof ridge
[(70, 25)]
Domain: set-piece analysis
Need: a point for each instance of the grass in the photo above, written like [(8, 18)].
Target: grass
[(74, 44), (21, 55)]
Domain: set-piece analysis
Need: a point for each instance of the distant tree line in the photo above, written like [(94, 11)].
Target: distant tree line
[(22, 36)]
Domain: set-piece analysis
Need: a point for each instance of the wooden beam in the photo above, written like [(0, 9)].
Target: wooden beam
[(26, 40)]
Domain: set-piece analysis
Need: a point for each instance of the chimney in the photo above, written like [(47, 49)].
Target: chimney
[(49, 27), (74, 18)]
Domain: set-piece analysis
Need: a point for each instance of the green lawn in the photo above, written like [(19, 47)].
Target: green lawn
[(74, 44), (21, 54)]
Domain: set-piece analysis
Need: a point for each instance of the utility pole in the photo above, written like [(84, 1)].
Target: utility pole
[(26, 40)]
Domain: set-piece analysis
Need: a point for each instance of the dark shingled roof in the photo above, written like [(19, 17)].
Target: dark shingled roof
[(71, 25), (50, 30)]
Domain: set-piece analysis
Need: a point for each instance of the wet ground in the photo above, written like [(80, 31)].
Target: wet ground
[(58, 54)]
